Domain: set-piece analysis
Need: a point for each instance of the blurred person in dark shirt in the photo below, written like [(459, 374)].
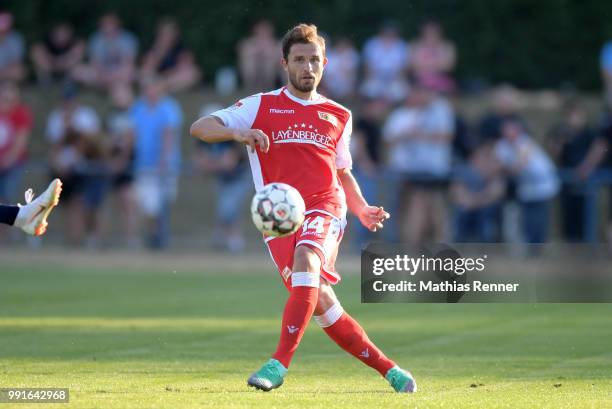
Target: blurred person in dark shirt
[(66, 125), (578, 149), (505, 102), (120, 129), (366, 147), (477, 190), (606, 133), (227, 162), (57, 54), (169, 59)]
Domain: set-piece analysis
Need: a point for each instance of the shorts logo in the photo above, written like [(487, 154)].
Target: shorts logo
[(326, 116), (286, 273)]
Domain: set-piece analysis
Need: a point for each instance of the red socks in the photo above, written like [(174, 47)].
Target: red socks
[(298, 311), (350, 336), (339, 326)]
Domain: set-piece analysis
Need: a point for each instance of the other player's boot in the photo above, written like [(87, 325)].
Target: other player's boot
[(32, 217), (402, 381), (269, 377)]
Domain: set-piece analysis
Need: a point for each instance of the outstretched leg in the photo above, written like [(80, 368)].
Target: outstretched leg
[(350, 336), (32, 217), (298, 311)]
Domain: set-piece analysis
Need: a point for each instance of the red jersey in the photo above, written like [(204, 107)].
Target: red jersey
[(18, 120), (309, 141)]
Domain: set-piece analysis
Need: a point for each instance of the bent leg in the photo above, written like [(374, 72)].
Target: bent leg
[(347, 333)]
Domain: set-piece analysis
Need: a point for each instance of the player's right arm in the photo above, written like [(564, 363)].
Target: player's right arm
[(234, 123), (211, 129)]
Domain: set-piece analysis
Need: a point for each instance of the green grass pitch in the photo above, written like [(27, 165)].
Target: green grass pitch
[(141, 337)]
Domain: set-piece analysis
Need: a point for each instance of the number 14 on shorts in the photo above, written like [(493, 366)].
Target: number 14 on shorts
[(316, 224), (321, 225)]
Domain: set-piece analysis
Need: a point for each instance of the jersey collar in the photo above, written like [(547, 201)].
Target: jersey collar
[(318, 98)]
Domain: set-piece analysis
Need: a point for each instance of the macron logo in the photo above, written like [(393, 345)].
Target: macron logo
[(281, 111), (365, 353), (292, 329)]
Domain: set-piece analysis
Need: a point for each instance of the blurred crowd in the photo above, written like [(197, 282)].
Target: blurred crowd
[(442, 177)]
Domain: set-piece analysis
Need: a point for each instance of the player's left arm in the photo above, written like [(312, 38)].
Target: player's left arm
[(372, 217)]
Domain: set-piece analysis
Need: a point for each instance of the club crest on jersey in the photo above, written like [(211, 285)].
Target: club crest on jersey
[(326, 116)]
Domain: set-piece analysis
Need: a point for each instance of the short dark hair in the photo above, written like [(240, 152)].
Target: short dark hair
[(302, 34)]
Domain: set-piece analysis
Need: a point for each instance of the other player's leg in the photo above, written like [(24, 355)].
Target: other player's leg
[(8, 214), (299, 308), (32, 217), (350, 336)]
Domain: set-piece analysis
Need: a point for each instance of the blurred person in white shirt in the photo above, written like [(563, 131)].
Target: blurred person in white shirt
[(419, 138)]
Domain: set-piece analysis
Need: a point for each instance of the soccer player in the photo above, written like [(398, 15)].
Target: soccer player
[(297, 136), (32, 217)]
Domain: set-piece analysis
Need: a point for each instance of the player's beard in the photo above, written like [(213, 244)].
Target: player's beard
[(295, 81)]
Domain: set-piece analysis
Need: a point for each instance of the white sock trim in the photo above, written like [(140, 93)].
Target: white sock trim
[(329, 317), (305, 279)]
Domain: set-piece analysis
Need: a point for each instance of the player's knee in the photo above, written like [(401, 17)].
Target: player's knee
[(327, 298), (306, 259)]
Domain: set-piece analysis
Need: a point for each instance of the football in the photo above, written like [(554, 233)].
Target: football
[(278, 210)]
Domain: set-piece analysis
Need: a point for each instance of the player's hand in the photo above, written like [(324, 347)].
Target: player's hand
[(373, 217), (253, 138)]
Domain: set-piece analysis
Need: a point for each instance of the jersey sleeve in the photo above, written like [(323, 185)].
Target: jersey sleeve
[(240, 115), (343, 153)]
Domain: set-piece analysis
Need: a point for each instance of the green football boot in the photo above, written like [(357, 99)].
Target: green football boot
[(269, 377), (401, 381)]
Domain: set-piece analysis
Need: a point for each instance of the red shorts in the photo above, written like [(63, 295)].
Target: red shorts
[(322, 232)]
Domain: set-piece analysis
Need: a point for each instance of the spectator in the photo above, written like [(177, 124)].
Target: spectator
[(419, 136), (68, 129), (12, 51), (505, 102), (58, 54), (477, 191), (385, 58), (535, 177), (464, 139), (606, 132), (120, 130), (259, 57), (227, 162), (340, 78), (157, 120), (170, 60), (366, 146), (433, 57), (15, 128), (577, 150), (606, 70), (112, 54)]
